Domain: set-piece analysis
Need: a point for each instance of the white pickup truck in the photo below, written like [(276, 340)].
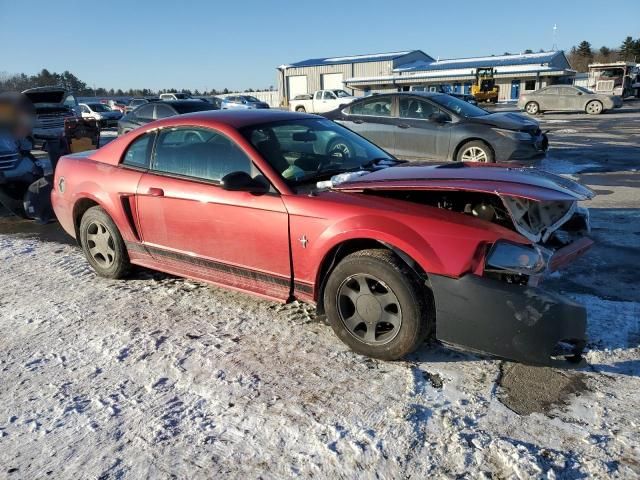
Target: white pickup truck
[(321, 101)]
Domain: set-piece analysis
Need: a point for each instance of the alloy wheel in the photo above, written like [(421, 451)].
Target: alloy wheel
[(100, 244), (474, 154), (594, 107), (369, 309), (532, 108)]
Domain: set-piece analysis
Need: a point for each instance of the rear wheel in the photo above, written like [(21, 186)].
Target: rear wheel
[(475, 151), (594, 107), (102, 244), (532, 108), (377, 305), (301, 109)]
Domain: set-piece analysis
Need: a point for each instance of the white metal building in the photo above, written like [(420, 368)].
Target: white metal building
[(415, 70)]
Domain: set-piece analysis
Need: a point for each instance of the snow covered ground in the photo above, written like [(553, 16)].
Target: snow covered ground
[(158, 376)]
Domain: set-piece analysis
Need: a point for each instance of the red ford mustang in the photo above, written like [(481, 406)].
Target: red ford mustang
[(293, 206)]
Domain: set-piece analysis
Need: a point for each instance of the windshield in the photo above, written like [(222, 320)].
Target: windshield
[(458, 106), (341, 93), (98, 107), (181, 96), (312, 149)]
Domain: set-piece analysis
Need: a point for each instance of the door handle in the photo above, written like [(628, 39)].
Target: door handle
[(358, 121), (155, 192), (403, 125)]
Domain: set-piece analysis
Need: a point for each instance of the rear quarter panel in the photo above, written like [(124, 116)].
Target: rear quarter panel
[(106, 185)]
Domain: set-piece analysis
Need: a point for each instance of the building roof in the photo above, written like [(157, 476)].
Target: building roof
[(373, 57), (497, 61)]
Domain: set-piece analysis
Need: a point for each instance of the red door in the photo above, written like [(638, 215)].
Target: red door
[(234, 238)]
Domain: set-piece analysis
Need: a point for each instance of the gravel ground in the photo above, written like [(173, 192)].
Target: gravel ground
[(158, 376)]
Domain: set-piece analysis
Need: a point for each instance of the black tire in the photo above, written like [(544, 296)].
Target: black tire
[(386, 274), (532, 108), (466, 152), (594, 107), (340, 146), (102, 244), (301, 109)]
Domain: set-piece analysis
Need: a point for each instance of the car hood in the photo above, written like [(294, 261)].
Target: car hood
[(537, 202), (508, 121), (48, 95), (523, 182)]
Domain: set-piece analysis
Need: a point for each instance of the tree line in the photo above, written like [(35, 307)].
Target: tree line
[(20, 81), (581, 55)]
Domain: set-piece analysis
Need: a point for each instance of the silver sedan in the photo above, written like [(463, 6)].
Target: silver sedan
[(567, 98)]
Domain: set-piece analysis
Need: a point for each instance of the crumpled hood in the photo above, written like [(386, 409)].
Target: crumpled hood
[(508, 121), (537, 202), (522, 182)]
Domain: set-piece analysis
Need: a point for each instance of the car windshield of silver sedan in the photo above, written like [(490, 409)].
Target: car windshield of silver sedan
[(458, 106), (310, 149)]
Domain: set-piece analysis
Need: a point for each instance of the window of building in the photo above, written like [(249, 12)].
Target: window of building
[(530, 85)]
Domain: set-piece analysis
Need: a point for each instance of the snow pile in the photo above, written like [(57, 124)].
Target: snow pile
[(158, 376)]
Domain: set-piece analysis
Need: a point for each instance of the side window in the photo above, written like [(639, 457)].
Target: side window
[(328, 95), (376, 106), (138, 152), (318, 95), (414, 108), (163, 111), (198, 153), (145, 112), (552, 91), (568, 91), (84, 109)]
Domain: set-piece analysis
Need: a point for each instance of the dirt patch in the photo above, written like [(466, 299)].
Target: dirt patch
[(526, 389)]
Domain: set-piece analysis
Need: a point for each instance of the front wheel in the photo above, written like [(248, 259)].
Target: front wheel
[(475, 151), (301, 109), (594, 107), (377, 305), (102, 244)]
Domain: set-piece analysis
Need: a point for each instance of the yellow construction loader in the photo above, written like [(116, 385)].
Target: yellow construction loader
[(485, 89)]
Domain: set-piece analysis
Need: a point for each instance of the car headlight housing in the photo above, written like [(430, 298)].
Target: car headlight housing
[(507, 257), (513, 134)]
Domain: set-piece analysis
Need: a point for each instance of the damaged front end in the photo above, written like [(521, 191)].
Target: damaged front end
[(500, 308)]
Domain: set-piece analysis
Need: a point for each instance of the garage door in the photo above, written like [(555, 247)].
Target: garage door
[(297, 85), (331, 81)]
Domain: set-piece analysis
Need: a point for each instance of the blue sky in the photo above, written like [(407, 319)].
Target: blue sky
[(207, 44)]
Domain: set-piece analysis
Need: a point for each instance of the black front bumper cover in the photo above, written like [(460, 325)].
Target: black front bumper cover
[(515, 322)]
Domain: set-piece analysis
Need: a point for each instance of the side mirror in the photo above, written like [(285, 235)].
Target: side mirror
[(579, 93), (439, 117), (242, 182)]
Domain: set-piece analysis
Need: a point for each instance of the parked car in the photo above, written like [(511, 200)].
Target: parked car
[(243, 102), (117, 105), (102, 114), (53, 106), (321, 101), (175, 96), (156, 110), (567, 98), (391, 252), (134, 103), (435, 126), (215, 101)]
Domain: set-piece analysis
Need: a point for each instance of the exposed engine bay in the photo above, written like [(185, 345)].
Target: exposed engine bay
[(539, 222)]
